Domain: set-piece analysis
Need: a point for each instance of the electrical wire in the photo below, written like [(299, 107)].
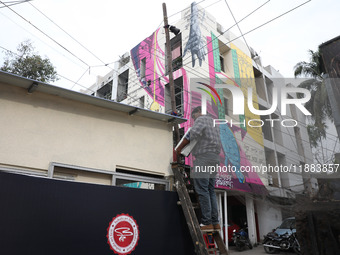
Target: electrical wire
[(249, 14), (65, 32), (90, 51), (104, 64), (178, 13), (89, 67), (287, 148), (80, 77), (184, 64), (171, 15), (14, 3), (86, 70), (273, 128), (63, 47), (263, 24), (238, 26), (75, 82), (290, 135), (57, 72), (253, 102), (162, 53), (41, 40)]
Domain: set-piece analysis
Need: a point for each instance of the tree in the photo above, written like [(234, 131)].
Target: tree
[(29, 64), (319, 105)]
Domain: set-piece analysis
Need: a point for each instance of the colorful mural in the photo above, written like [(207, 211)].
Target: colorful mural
[(155, 79), (235, 139), (232, 137), (244, 71), (233, 151), (149, 54)]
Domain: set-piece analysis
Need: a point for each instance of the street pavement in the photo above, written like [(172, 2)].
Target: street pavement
[(255, 251)]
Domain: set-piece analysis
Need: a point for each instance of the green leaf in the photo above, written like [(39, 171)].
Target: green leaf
[(29, 64)]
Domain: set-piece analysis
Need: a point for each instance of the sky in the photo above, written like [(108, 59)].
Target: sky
[(84, 38)]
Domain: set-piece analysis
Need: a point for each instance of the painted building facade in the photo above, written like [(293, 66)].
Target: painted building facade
[(203, 55)]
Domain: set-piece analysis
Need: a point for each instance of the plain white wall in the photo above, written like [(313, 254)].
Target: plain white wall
[(38, 128)]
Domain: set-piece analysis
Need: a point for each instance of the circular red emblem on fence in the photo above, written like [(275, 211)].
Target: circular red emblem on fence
[(123, 234)]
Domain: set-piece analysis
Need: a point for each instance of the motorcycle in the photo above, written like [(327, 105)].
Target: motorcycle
[(241, 239), (296, 244), (273, 242)]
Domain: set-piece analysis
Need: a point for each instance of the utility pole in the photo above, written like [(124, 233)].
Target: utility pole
[(171, 78)]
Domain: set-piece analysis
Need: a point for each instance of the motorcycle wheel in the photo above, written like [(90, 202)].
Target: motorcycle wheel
[(239, 246), (269, 250), (296, 248)]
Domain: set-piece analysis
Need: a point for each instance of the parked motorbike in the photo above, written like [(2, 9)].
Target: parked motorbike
[(295, 243), (273, 242), (241, 239)]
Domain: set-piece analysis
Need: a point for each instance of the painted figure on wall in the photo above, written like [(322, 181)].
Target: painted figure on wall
[(146, 58), (196, 44)]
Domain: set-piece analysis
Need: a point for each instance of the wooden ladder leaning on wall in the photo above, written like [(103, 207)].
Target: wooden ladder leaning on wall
[(181, 184)]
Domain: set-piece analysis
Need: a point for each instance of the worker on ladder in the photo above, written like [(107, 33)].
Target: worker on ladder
[(206, 153)]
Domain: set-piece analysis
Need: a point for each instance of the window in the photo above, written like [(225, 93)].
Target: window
[(179, 95), (270, 87), (105, 91), (222, 64), (176, 53), (122, 90), (132, 179), (141, 102), (178, 83), (284, 176), (226, 106), (260, 86), (277, 132), (142, 68), (219, 28), (228, 102), (122, 177), (79, 174), (271, 160), (292, 108), (266, 128), (299, 142)]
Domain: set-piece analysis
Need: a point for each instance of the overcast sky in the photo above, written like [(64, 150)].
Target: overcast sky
[(109, 28)]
